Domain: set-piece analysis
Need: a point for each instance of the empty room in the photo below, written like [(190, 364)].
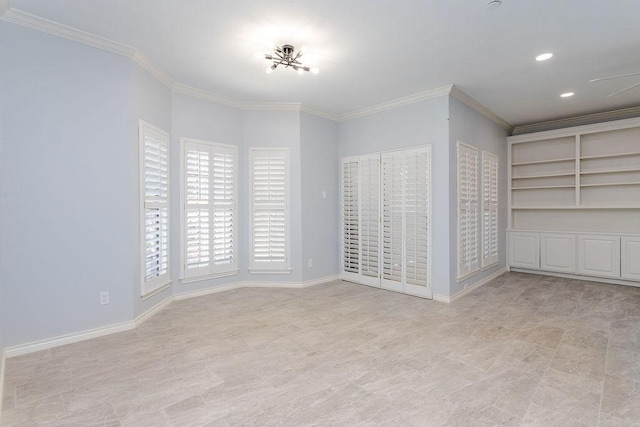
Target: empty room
[(328, 213)]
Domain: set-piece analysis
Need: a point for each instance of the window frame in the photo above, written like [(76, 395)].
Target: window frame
[(274, 268), (163, 281), (213, 273)]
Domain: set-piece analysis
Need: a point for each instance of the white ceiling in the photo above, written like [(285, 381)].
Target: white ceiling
[(374, 51)]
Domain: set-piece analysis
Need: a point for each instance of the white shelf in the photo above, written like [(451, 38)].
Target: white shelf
[(608, 156), (539, 162), (612, 184), (547, 175), (617, 170), (543, 187)]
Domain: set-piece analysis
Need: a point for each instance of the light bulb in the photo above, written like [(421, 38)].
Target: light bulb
[(544, 57), (301, 71), (315, 70), (269, 70)]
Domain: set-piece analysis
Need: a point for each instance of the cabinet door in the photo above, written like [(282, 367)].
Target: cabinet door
[(524, 250), (599, 256), (558, 252), (630, 258)]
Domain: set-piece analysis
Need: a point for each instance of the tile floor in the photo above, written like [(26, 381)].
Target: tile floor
[(522, 350)]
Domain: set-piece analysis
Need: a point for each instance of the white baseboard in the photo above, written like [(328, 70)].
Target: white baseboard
[(470, 287), (32, 347), (2, 359), (577, 277)]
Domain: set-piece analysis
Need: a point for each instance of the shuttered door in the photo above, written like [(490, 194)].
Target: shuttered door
[(369, 178), (392, 221), (468, 210), (489, 209), (350, 219), (269, 249)]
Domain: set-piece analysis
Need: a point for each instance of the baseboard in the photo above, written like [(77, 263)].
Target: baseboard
[(577, 277), (46, 344), (32, 347), (470, 287), (2, 359)]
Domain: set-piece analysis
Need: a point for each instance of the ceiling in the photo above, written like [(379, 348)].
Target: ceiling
[(371, 52)]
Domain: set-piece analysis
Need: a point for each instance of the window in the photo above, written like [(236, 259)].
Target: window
[(270, 210), (208, 216), (154, 207), (489, 209), (468, 212)]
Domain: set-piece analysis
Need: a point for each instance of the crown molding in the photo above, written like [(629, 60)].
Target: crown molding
[(28, 20), (143, 61), (207, 96), (399, 102), (466, 99), (606, 116), (319, 113), (272, 106)]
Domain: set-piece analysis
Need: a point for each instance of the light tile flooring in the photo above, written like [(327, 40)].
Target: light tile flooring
[(522, 350)]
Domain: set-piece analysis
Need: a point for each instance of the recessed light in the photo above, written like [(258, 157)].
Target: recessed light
[(544, 56), (567, 94), (493, 4)]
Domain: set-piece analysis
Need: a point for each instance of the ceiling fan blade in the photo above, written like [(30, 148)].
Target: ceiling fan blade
[(623, 90), (614, 77)]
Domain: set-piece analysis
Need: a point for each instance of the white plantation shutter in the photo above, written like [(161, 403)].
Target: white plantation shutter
[(417, 222), (468, 211), (209, 209), (489, 209), (270, 210), (392, 220), (350, 216), (154, 188), (370, 216)]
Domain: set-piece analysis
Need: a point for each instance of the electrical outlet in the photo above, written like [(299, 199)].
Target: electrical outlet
[(310, 263), (104, 298)]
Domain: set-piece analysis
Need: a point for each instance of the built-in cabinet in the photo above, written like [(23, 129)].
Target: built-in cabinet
[(574, 201)]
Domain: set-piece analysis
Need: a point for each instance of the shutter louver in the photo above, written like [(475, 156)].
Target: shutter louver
[(154, 171), (468, 211), (417, 208), (369, 215), (350, 217), (270, 209), (489, 209), (209, 192), (392, 217)]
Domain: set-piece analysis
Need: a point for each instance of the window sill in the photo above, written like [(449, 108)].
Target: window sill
[(155, 291), (186, 280), (285, 271)]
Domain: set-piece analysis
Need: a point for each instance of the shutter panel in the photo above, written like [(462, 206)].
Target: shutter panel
[(489, 209), (209, 215), (270, 209), (370, 216), (350, 216), (468, 211), (392, 220), (154, 171), (417, 185)]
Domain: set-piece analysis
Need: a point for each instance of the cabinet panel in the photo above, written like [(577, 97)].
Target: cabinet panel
[(630, 258), (524, 250), (599, 256), (557, 252)]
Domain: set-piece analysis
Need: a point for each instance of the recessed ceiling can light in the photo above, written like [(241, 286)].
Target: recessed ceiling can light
[(567, 94), (544, 56), (493, 4)]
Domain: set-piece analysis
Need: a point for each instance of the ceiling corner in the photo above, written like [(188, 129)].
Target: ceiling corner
[(488, 113)]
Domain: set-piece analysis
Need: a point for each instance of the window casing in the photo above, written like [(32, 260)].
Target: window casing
[(154, 208), (209, 182), (489, 210), (270, 211), (468, 212)]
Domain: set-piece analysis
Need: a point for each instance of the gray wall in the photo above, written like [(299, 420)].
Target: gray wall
[(469, 126), (67, 193), (271, 129), (320, 217), (424, 122), (200, 119), (151, 102)]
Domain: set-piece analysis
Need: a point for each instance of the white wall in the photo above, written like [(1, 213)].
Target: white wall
[(200, 119), (320, 216), (424, 122), (67, 193), (265, 128), (151, 102), (469, 126)]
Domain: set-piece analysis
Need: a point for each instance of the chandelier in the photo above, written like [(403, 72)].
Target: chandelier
[(287, 57)]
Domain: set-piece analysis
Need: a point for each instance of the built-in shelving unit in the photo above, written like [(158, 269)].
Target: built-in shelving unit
[(576, 182)]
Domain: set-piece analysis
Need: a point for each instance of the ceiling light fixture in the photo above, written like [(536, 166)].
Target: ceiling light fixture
[(493, 4), (287, 57), (567, 94), (544, 56)]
